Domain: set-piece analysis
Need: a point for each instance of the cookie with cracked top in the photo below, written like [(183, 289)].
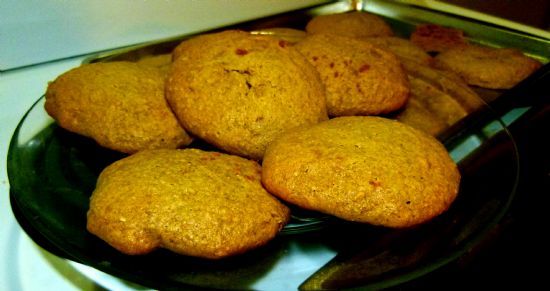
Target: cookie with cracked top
[(487, 67), (192, 202), (360, 78), (363, 168), (239, 91), (120, 105), (352, 24)]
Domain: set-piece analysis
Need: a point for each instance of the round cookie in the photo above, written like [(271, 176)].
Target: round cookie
[(161, 61), (360, 78), (418, 116), (363, 168), (240, 95), (494, 68), (208, 43), (402, 48), (352, 24), (445, 81), (429, 103), (120, 105), (192, 202), (436, 38)]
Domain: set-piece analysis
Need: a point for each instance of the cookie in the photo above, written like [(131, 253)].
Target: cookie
[(436, 38), (363, 168), (351, 24), (493, 68), (120, 105), (430, 109), (161, 61), (418, 116), (436, 104), (208, 43), (241, 94), (192, 202), (402, 48), (446, 82), (360, 78)]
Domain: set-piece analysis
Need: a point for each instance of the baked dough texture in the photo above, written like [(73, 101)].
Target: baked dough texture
[(202, 44), (351, 24), (493, 68), (192, 202), (360, 78), (363, 168), (241, 91), (429, 108), (436, 38), (418, 116), (120, 105), (160, 61), (402, 48)]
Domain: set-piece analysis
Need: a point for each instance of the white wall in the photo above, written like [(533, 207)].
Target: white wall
[(35, 31)]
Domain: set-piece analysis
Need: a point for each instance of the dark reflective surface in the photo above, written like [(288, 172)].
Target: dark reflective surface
[(53, 172)]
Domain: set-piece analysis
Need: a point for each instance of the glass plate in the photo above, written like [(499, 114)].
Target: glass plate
[(52, 173)]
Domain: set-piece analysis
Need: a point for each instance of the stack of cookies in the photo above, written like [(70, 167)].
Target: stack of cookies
[(338, 118)]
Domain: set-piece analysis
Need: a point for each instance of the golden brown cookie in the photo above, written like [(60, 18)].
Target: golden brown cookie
[(494, 68), (436, 104), (438, 98), (441, 104), (403, 48), (418, 116), (240, 95), (208, 43), (120, 105), (363, 168), (352, 24), (192, 202), (437, 38), (429, 108), (162, 62), (360, 78), (446, 82)]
